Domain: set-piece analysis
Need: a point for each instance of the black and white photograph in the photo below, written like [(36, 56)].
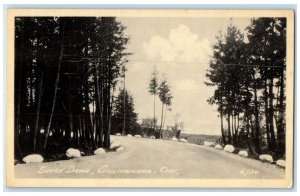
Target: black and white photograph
[(150, 98)]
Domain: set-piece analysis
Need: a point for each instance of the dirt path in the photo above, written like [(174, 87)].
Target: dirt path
[(147, 158)]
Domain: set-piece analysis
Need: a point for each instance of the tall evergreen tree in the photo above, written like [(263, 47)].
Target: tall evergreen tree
[(267, 40), (118, 114), (245, 75), (165, 97), (226, 74)]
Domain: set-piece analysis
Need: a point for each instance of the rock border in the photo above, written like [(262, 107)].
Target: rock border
[(266, 158)]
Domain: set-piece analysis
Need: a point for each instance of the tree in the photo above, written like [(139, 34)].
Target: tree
[(66, 70), (245, 75), (148, 123), (178, 126), (153, 89), (165, 97), (118, 114), (226, 74), (267, 41)]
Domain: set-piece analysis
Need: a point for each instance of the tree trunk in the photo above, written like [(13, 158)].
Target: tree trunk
[(229, 131), (233, 125), (70, 117), (109, 122), (89, 121), (271, 115), (248, 136), (267, 114), (154, 123), (236, 128), (31, 87), (80, 132), (256, 114), (124, 108), (165, 118), (161, 119), (252, 129), (222, 129), (107, 113), (101, 117), (17, 127), (99, 106), (221, 115), (55, 89), (281, 116), (89, 126), (38, 113)]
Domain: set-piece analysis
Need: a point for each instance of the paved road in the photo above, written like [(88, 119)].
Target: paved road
[(148, 158)]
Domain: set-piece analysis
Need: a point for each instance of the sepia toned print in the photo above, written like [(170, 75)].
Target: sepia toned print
[(150, 98)]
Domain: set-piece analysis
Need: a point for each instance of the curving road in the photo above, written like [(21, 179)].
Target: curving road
[(148, 158)]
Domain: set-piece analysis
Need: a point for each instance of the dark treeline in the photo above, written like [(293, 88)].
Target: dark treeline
[(66, 70), (249, 76)]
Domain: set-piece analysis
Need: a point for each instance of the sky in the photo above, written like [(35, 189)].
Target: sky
[(180, 49)]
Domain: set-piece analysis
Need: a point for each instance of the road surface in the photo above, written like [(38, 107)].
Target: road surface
[(152, 158)]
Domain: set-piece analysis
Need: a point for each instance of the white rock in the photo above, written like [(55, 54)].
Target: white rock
[(99, 151), (183, 140), (115, 144), (33, 158), (129, 135), (218, 146), (118, 134), (174, 139), (280, 163), (120, 149), (207, 143), (243, 153), (138, 136), (152, 137), (73, 153), (229, 148), (266, 157)]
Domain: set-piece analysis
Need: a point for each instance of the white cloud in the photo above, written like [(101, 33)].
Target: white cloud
[(182, 45), (159, 48)]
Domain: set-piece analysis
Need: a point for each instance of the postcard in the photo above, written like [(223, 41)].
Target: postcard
[(150, 98)]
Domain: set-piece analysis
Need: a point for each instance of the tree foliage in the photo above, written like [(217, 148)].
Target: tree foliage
[(246, 73), (165, 97), (130, 114), (66, 69)]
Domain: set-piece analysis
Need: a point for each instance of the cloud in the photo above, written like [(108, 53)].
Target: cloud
[(181, 45)]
